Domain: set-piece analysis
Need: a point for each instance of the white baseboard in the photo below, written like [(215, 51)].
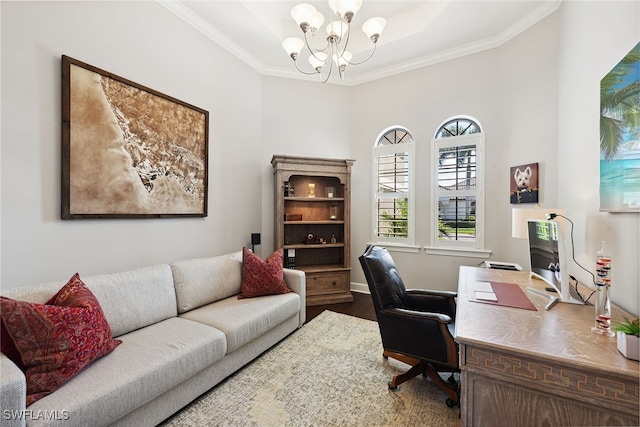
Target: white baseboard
[(359, 287)]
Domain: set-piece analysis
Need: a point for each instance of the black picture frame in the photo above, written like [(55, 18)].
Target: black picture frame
[(524, 184)]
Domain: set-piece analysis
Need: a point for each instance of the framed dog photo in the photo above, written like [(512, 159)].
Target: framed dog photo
[(524, 183), (129, 151)]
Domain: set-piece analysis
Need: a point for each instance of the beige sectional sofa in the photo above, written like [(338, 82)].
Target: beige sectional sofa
[(183, 330)]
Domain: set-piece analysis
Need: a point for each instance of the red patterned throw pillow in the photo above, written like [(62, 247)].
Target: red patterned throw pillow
[(262, 277), (57, 339)]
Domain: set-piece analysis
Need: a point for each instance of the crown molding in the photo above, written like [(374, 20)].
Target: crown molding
[(187, 15), (479, 46)]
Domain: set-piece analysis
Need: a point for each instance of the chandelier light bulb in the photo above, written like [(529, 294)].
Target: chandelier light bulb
[(316, 22), (338, 29), (317, 61), (303, 14), (346, 9), (342, 60), (373, 28), (293, 46)]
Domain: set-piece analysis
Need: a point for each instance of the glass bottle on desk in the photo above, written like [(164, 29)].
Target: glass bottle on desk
[(603, 303)]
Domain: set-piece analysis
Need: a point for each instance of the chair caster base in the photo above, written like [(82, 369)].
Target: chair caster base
[(451, 403), (391, 386)]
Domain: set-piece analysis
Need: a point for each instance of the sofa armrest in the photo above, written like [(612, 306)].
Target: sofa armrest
[(13, 393), (296, 281)]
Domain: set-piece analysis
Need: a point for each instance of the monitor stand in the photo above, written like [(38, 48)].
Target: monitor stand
[(574, 297), (553, 300)]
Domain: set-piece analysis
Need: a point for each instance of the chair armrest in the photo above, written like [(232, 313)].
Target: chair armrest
[(433, 301), (419, 315), (13, 393), (296, 281), (431, 292)]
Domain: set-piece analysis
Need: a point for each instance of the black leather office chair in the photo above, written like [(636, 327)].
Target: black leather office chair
[(417, 326)]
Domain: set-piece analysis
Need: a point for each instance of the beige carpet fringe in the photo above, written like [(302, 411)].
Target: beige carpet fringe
[(328, 373)]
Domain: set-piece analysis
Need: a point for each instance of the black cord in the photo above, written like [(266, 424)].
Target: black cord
[(575, 286), (573, 256)]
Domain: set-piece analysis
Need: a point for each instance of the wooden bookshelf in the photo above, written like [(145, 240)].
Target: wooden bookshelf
[(312, 223)]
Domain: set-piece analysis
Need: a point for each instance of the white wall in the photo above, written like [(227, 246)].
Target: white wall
[(512, 92), (595, 36), (147, 44), (536, 96)]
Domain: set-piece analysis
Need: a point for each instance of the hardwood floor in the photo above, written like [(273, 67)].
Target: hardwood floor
[(362, 307)]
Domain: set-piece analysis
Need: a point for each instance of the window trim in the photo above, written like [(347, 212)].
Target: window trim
[(378, 149), (478, 245)]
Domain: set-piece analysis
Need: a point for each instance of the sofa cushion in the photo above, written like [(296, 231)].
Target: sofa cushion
[(260, 277), (149, 362), (129, 300), (244, 320), (136, 298), (58, 339), (202, 281)]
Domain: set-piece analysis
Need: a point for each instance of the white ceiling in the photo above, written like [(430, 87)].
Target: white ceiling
[(418, 32)]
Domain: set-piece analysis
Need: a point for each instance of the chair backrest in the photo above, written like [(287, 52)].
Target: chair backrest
[(385, 284)]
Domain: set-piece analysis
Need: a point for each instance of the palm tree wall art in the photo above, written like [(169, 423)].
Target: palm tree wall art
[(620, 136)]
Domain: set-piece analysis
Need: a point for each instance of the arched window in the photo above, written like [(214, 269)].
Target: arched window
[(458, 197), (393, 160), (458, 126)]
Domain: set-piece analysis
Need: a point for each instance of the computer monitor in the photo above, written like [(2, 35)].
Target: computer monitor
[(547, 258)]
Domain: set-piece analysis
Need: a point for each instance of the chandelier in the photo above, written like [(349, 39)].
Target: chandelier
[(334, 52)]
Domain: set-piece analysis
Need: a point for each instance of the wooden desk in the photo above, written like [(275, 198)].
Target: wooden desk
[(532, 368)]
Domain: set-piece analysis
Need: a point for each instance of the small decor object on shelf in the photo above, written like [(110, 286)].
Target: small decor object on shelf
[(293, 217), (312, 190), (331, 191), (628, 338), (290, 260), (603, 303), (333, 238), (333, 212), (288, 189)]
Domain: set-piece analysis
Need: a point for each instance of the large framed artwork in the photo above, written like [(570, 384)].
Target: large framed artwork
[(129, 151), (620, 136)]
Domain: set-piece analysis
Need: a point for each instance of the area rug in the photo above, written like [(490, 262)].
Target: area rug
[(328, 373)]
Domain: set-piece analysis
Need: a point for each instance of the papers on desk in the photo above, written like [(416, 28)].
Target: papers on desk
[(484, 291), (486, 296)]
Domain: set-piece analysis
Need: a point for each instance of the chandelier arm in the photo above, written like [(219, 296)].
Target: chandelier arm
[(346, 42), (306, 42), (308, 73), (365, 60), (329, 73)]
